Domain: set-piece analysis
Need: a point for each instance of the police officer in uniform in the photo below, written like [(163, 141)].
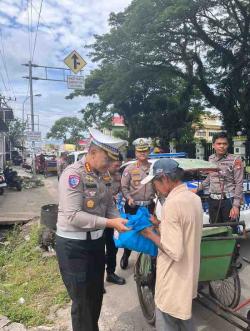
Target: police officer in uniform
[(111, 250), (225, 186), (135, 193), (86, 208), (61, 164)]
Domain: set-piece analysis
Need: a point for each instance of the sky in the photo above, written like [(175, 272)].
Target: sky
[(65, 25)]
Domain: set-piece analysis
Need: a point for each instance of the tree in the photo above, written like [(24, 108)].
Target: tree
[(69, 129), (15, 132), (152, 102), (206, 43)]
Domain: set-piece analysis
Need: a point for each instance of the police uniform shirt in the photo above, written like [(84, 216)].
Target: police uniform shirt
[(116, 183), (131, 183), (85, 199), (229, 178), (61, 165)]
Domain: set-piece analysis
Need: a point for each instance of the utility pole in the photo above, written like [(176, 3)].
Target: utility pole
[(32, 118), (3, 138), (75, 62)]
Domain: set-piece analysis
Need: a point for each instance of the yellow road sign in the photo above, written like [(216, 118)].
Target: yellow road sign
[(75, 62)]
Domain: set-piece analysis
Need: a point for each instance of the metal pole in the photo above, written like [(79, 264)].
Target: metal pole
[(23, 126), (23, 131), (32, 117), (4, 141)]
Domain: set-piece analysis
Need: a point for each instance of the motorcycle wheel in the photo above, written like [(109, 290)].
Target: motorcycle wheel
[(1, 191), (145, 283)]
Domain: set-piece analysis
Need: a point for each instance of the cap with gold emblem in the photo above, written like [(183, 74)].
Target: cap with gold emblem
[(141, 144), (109, 144)]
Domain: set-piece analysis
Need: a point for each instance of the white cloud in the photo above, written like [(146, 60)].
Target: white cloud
[(65, 25), (9, 8)]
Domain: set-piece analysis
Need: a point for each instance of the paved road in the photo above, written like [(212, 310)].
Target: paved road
[(121, 310), (27, 203)]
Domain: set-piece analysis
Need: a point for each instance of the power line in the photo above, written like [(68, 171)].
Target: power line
[(5, 65), (52, 32), (29, 28), (37, 26), (3, 82)]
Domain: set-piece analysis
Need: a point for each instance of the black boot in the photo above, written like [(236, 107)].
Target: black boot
[(124, 261), (113, 278)]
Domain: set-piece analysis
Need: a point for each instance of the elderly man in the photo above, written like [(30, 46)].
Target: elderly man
[(178, 259), (86, 208), (137, 195)]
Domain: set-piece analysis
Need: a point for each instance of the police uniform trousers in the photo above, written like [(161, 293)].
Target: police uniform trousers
[(219, 210), (111, 251), (132, 210), (82, 264)]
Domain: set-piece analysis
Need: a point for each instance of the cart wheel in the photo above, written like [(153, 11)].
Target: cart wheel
[(227, 291), (145, 283)]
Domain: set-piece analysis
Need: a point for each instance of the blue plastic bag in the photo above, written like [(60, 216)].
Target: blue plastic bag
[(132, 239)]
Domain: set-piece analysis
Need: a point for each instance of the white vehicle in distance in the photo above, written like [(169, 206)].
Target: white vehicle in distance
[(75, 156)]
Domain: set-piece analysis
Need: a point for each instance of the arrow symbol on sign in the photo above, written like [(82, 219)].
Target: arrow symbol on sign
[(76, 63)]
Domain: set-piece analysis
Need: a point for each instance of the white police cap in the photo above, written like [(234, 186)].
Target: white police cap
[(141, 144), (109, 144)]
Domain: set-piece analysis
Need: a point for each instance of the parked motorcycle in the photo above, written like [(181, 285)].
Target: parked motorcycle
[(12, 179), (2, 182)]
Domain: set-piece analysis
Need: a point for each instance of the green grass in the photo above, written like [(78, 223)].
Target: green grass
[(24, 273)]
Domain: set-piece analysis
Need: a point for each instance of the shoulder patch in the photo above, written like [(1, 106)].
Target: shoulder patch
[(74, 181)]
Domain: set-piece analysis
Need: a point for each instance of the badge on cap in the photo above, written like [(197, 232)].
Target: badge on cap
[(74, 181)]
